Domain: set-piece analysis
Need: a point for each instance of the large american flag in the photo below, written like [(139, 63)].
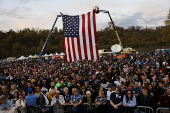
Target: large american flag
[(80, 38)]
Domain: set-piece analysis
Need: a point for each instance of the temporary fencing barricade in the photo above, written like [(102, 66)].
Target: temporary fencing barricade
[(161, 108), (99, 108), (145, 109), (87, 108), (25, 108), (67, 108)]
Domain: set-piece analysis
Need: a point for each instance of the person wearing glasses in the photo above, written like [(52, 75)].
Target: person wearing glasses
[(116, 100), (129, 102), (76, 101)]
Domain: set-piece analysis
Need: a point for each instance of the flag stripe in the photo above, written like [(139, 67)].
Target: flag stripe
[(81, 38), (76, 48), (87, 37), (73, 49), (95, 34), (66, 51), (93, 37), (79, 49), (84, 36), (69, 51), (90, 36)]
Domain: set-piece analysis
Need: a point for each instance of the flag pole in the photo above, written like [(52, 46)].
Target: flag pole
[(104, 11), (39, 59)]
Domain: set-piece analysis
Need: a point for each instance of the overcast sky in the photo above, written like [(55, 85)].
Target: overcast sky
[(19, 14)]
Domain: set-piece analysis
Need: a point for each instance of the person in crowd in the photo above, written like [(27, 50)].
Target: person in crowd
[(116, 101), (109, 92), (66, 96), (15, 98), (40, 83), (45, 83), (101, 101), (83, 91), (74, 85), (31, 101), (76, 101), (52, 90), (12, 91), (20, 104), (117, 81), (163, 100), (145, 99), (87, 88), (161, 87), (37, 91), (61, 87), (24, 86), (29, 85), (57, 102), (88, 99), (129, 102), (3, 88), (20, 91), (43, 100), (136, 91), (6, 105), (151, 90)]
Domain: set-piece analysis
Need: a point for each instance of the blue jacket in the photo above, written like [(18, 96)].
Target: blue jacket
[(7, 105), (136, 90), (31, 100)]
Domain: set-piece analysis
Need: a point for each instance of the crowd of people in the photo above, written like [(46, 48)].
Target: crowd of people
[(109, 84)]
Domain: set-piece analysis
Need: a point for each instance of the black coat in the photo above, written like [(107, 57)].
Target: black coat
[(116, 100), (42, 101), (85, 100), (149, 101)]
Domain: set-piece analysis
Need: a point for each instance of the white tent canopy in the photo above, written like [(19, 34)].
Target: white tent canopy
[(50, 54), (22, 58), (45, 55), (30, 56), (62, 53), (56, 53)]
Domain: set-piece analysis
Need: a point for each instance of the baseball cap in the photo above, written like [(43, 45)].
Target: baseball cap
[(43, 89), (29, 90), (74, 80)]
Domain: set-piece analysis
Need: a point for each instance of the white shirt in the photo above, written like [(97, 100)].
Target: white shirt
[(20, 103), (117, 83), (108, 94), (61, 100)]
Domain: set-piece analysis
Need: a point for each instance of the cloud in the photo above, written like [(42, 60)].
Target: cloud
[(137, 19), (15, 12), (26, 1)]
